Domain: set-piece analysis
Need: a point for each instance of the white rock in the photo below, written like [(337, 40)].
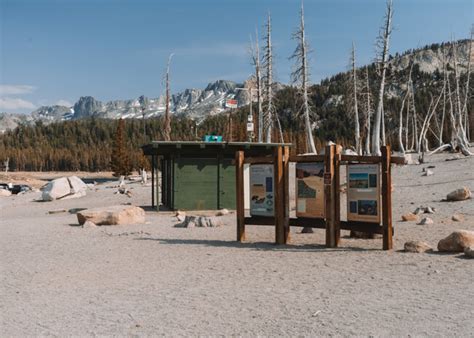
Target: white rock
[(426, 221), (222, 212), (428, 173), (56, 189), (181, 216), (64, 188)]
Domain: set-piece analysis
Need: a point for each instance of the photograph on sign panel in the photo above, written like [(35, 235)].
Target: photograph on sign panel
[(310, 189), (373, 181), (358, 181), (367, 207)]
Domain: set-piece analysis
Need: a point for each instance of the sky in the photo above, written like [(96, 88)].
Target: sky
[(55, 51)]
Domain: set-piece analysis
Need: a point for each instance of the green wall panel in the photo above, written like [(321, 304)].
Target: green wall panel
[(226, 184), (196, 184)]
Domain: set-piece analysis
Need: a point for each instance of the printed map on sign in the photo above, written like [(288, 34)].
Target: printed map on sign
[(310, 190), (261, 190), (363, 193)]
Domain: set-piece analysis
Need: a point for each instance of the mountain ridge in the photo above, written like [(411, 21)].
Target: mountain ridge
[(201, 103)]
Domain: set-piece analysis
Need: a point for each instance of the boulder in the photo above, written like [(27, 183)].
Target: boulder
[(410, 217), (459, 194), (457, 241), (64, 188), (457, 218), (417, 246), (56, 189), (426, 221), (113, 215), (5, 192), (469, 252)]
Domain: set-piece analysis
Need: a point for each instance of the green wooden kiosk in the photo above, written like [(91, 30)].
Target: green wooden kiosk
[(198, 175)]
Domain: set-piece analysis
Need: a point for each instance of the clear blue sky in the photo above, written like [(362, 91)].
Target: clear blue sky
[(58, 50)]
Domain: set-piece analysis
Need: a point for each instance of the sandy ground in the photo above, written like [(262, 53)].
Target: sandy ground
[(154, 279)]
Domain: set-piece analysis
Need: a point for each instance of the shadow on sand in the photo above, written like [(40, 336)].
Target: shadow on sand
[(264, 246)]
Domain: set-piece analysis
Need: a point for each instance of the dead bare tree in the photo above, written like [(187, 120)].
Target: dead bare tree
[(354, 102), (465, 111), (383, 43), (255, 54), (268, 65), (300, 76), (167, 124), (368, 111)]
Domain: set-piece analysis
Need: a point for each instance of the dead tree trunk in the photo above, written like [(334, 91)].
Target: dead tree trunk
[(385, 42), (255, 54), (368, 114), (301, 76), (356, 110), (268, 62)]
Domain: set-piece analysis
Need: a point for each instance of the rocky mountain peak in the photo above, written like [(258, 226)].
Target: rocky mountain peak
[(87, 106)]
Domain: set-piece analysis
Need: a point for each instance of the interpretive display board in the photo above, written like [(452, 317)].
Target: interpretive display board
[(363, 193), (310, 190), (262, 201)]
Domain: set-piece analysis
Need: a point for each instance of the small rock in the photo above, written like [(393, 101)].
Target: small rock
[(417, 246), (181, 216), (459, 194), (469, 251), (426, 221), (457, 218), (59, 211), (410, 217), (458, 241), (89, 224), (428, 173), (418, 211), (430, 210), (222, 212), (307, 230)]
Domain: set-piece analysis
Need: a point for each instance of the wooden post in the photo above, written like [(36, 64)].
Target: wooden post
[(239, 189), (337, 194), (279, 196), (386, 198), (153, 182), (329, 196), (286, 190)]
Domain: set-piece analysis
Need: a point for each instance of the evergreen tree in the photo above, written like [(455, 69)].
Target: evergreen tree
[(120, 161)]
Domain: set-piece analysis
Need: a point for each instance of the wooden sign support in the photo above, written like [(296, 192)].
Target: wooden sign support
[(386, 198), (332, 222), (240, 202)]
